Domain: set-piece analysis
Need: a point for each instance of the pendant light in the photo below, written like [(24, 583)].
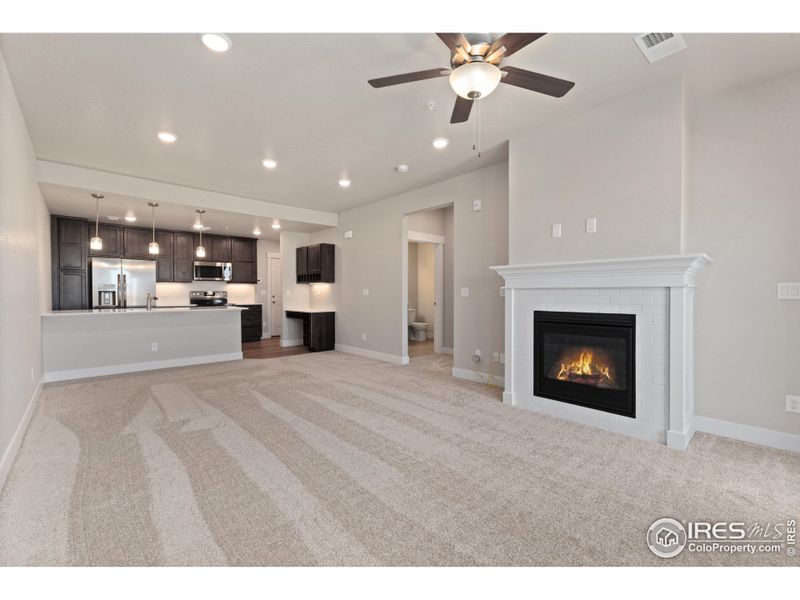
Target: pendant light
[(96, 243), (152, 248), (200, 251)]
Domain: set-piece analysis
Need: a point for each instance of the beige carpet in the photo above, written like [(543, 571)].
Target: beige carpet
[(333, 459)]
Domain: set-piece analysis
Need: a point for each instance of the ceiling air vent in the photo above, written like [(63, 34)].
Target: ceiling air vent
[(656, 46)]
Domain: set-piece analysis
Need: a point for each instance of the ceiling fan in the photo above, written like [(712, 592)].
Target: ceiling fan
[(475, 59)]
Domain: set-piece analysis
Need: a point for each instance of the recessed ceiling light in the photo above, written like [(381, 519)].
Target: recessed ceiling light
[(401, 168), (269, 163), (276, 224), (130, 218), (344, 183), (218, 42), (440, 142), (167, 137), (256, 231)]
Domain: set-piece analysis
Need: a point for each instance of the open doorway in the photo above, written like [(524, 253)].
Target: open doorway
[(427, 297)]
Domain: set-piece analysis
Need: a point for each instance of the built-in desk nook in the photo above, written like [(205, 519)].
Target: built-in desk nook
[(318, 328)]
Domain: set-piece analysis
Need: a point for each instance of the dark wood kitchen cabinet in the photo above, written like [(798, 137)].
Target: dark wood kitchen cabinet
[(251, 322), (183, 259), (112, 240), (135, 242), (165, 270), (243, 260), (69, 250), (316, 264), (319, 329), (219, 247)]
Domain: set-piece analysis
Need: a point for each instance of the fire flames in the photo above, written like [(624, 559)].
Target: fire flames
[(584, 370)]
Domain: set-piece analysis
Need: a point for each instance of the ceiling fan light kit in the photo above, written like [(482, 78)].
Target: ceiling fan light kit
[(475, 79)]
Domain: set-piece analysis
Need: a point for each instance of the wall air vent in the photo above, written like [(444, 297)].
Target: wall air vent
[(656, 46)]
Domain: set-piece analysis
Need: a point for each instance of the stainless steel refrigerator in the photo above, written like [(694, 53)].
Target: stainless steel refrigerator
[(121, 282)]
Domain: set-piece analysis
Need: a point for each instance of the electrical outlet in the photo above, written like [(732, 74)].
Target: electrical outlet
[(591, 225), (476, 356), (288, 292), (365, 292), (502, 358), (557, 230), (789, 291), (793, 404), (465, 292), (496, 357), (154, 346), (363, 337), (348, 235)]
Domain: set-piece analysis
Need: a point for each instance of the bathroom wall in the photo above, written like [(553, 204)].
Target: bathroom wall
[(426, 278), (412, 275)]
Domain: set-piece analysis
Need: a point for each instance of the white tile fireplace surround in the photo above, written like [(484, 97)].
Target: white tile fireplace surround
[(659, 290)]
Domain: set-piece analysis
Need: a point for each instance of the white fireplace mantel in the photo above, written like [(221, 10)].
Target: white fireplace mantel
[(651, 271), (678, 274)]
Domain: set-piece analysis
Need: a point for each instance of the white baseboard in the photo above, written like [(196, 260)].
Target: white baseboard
[(679, 440), (747, 433), (392, 358), (477, 376), (287, 343), (508, 398), (141, 366), (446, 350), (11, 451)]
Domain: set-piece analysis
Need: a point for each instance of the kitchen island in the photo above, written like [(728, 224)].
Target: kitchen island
[(89, 343)]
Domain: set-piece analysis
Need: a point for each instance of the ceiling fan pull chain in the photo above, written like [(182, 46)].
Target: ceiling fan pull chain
[(476, 146)]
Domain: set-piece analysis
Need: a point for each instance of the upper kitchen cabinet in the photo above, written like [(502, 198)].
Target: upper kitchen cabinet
[(315, 263), (164, 262), (112, 240), (135, 242), (183, 257), (73, 243), (220, 248), (243, 259), (243, 249)]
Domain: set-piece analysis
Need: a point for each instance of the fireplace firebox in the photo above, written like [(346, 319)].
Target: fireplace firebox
[(586, 359)]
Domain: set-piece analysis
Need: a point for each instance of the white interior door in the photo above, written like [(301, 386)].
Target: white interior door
[(275, 292)]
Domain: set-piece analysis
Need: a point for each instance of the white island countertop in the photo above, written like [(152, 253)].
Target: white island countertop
[(142, 311)]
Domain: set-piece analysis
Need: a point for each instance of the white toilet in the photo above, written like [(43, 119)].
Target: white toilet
[(416, 331)]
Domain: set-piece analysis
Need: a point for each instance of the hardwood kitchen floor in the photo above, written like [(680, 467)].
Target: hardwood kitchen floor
[(270, 348)]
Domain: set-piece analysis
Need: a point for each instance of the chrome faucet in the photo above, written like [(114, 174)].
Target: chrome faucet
[(151, 301)]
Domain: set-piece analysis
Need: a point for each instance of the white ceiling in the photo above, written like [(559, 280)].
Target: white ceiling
[(77, 202), (97, 101)]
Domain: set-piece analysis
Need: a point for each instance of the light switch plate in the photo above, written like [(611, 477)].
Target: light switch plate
[(557, 230), (363, 337), (365, 292), (465, 292), (789, 291), (591, 225), (348, 235), (477, 205)]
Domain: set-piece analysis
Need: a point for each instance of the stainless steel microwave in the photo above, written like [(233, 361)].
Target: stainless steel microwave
[(212, 271)]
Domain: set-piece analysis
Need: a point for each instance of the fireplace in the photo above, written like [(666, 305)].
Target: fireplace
[(586, 359)]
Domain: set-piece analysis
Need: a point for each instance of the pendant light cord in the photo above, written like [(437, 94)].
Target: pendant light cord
[(154, 223), (97, 218)]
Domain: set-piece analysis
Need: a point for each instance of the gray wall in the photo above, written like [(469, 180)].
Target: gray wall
[(719, 176), (376, 259), (24, 264), (413, 272), (744, 210), (619, 162), (449, 289)]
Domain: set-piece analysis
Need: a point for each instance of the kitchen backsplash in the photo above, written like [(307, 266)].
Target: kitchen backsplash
[(177, 294)]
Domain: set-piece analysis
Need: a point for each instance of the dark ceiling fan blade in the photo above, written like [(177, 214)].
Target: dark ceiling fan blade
[(408, 77), (454, 40), (544, 84), (461, 110), (514, 41)]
